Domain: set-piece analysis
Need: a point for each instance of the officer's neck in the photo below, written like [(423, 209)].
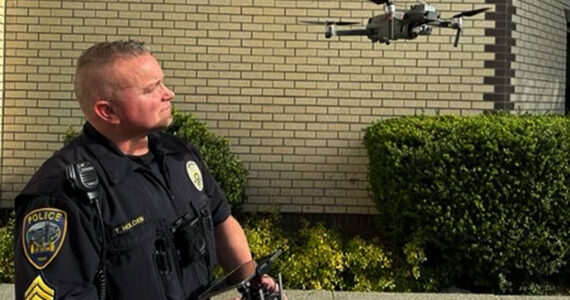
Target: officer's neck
[(133, 147), (127, 141)]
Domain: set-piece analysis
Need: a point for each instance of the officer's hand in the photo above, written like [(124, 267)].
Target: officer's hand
[(268, 283)]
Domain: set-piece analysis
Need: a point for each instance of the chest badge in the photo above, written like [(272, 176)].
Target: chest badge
[(43, 231), (195, 175)]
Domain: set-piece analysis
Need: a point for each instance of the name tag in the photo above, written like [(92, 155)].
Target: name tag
[(129, 226)]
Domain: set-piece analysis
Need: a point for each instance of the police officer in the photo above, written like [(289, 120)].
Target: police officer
[(123, 211)]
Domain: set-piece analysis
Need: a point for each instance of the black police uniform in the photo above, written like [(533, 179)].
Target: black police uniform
[(58, 233)]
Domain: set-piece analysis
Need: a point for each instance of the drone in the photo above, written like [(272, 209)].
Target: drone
[(394, 25)]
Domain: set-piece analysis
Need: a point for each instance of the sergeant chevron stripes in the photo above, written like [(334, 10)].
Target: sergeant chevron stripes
[(39, 290)]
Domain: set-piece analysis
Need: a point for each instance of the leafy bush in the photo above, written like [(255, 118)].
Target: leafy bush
[(7, 252), (225, 167), (485, 199), (367, 266), (314, 257), (69, 134), (265, 236), (410, 273), (317, 261)]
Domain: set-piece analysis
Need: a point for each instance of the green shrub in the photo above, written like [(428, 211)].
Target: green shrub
[(265, 236), (316, 261), (410, 273), (7, 252), (314, 257), (486, 199), (69, 135), (367, 266), (224, 166)]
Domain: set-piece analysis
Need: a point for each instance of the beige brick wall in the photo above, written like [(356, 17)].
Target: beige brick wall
[(540, 63), (292, 103), (2, 22)]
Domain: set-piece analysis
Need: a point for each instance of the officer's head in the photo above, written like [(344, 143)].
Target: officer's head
[(119, 85)]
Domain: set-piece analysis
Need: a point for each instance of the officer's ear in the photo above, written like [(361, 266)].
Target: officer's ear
[(106, 111)]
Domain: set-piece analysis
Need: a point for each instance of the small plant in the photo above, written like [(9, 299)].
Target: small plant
[(316, 257), (69, 135), (368, 266), (266, 236), (7, 252), (317, 260)]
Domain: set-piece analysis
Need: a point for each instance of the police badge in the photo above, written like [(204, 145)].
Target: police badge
[(195, 175), (43, 231)]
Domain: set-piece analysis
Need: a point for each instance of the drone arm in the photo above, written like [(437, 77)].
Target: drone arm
[(440, 23), (365, 32)]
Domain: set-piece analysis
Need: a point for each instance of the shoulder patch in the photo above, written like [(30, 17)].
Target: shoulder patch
[(43, 233), (40, 290), (195, 175)]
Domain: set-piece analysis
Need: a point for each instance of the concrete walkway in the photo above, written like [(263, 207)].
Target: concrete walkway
[(327, 295), (7, 293)]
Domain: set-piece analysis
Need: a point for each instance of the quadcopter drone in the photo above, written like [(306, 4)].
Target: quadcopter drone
[(394, 25)]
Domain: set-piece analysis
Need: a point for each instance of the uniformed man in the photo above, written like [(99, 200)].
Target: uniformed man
[(124, 211)]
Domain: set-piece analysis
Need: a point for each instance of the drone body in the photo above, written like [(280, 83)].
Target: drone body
[(394, 25), (407, 24)]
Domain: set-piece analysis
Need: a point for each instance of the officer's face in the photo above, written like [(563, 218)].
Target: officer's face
[(141, 100)]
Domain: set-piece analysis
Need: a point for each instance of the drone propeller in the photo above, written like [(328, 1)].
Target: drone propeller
[(458, 24), (327, 23), (379, 2), (471, 12)]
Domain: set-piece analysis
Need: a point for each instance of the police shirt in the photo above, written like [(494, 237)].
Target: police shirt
[(59, 236)]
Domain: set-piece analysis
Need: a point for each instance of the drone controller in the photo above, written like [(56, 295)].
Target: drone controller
[(243, 277), (249, 293)]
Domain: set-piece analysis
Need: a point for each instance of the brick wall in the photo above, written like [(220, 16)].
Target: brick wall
[(2, 21), (292, 103), (540, 55)]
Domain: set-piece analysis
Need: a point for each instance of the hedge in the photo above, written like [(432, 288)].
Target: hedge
[(484, 200), (317, 257), (7, 251)]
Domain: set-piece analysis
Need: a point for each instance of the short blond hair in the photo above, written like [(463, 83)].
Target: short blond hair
[(90, 78)]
